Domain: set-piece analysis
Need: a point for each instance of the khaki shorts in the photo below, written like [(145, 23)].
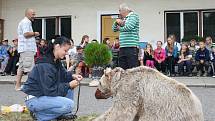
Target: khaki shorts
[(26, 61)]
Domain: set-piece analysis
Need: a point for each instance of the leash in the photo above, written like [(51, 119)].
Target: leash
[(78, 99), (74, 116)]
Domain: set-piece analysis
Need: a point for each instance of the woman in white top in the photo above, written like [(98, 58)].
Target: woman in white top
[(70, 58)]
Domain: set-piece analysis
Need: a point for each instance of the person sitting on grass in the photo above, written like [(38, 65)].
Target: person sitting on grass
[(213, 59), (184, 60), (202, 59), (49, 87)]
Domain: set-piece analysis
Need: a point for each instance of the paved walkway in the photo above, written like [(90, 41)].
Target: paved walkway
[(189, 81)]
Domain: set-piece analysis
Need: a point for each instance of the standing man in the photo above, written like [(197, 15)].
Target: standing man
[(128, 38), (26, 45)]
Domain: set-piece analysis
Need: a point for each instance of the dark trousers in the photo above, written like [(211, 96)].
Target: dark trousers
[(188, 65), (128, 57), (213, 67), (203, 67), (170, 62), (11, 65), (160, 66)]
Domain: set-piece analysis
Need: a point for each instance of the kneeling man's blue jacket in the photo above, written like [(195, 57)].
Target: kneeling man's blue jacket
[(48, 78)]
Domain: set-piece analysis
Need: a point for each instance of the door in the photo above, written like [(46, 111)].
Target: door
[(107, 32), (1, 29)]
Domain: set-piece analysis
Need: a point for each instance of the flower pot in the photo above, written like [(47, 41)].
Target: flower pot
[(97, 72)]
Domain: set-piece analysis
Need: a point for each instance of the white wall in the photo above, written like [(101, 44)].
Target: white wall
[(0, 8), (84, 13)]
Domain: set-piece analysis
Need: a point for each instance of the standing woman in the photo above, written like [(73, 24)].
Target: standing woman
[(171, 56), (49, 86)]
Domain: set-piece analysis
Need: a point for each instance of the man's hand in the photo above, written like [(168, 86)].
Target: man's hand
[(73, 84), (11, 50), (36, 34), (119, 21), (201, 61), (77, 77), (14, 49), (118, 27)]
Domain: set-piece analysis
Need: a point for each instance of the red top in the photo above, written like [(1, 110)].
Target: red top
[(160, 54)]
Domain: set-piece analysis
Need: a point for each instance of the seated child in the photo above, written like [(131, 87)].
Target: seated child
[(160, 56), (202, 59), (213, 58), (184, 60), (149, 56)]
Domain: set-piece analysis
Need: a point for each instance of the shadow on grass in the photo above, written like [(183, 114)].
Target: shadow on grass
[(27, 117)]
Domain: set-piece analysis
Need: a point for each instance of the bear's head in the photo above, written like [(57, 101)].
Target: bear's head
[(107, 82)]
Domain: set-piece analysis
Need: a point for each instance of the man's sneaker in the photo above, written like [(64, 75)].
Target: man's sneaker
[(213, 76), (69, 116), (190, 75), (205, 74), (168, 74), (199, 73), (3, 74), (33, 116), (181, 74), (94, 83), (172, 75)]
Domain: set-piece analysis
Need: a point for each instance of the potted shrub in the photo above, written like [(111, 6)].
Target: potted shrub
[(97, 56)]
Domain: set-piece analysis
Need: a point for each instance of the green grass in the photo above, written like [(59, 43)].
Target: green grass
[(26, 117)]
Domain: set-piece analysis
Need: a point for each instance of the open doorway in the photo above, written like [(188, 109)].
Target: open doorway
[(107, 21)]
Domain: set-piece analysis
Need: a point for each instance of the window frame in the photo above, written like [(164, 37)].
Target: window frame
[(200, 20), (57, 24)]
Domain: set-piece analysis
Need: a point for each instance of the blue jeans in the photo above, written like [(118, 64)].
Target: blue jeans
[(47, 108), (188, 65)]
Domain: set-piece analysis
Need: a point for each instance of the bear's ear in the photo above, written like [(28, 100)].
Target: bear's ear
[(107, 73), (117, 72)]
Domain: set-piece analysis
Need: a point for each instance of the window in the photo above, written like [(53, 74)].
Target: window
[(65, 27), (187, 23), (190, 24), (1, 29), (209, 24), (182, 24), (51, 26), (173, 24), (37, 26)]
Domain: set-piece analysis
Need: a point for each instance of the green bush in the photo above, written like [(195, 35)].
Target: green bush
[(96, 54), (196, 37)]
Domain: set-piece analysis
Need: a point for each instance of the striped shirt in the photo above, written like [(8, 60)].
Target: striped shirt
[(129, 32)]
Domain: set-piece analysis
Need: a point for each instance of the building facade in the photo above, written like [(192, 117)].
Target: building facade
[(74, 18)]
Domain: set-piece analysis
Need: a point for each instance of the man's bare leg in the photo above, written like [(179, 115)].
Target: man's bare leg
[(18, 79)]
